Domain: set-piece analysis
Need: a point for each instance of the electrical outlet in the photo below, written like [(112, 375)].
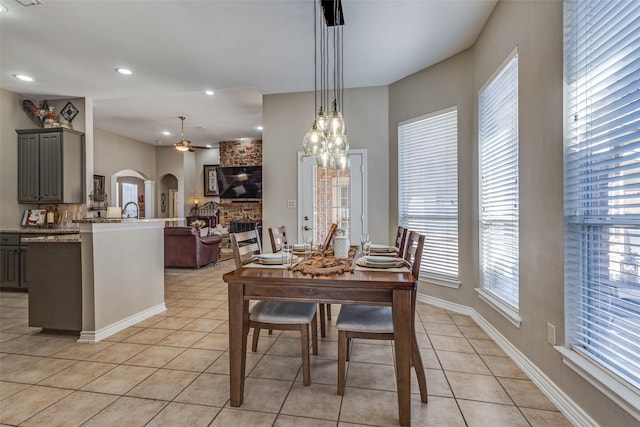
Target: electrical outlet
[(291, 204), (551, 334)]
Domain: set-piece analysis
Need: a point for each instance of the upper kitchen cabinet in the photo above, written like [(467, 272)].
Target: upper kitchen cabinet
[(51, 166)]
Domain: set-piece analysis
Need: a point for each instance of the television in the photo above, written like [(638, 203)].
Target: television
[(239, 182)]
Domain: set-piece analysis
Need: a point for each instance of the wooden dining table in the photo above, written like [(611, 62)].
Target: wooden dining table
[(369, 287)]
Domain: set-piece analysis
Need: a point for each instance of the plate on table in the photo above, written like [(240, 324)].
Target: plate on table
[(383, 249), (269, 259), (299, 249), (379, 262)]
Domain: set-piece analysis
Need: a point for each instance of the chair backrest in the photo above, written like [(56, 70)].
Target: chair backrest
[(413, 251), (401, 239), (245, 245), (278, 237), (327, 241)]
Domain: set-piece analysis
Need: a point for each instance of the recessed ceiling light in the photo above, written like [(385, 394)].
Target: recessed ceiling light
[(23, 77), (166, 132), (209, 92), (125, 71), (208, 145), (159, 142), (3, 8), (259, 127)]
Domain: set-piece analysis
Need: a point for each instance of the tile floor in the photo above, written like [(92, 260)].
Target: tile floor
[(172, 370)]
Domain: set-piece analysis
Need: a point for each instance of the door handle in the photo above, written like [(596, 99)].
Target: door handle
[(306, 218), (306, 228)]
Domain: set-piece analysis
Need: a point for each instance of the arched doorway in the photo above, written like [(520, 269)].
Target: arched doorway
[(133, 192), (169, 197)]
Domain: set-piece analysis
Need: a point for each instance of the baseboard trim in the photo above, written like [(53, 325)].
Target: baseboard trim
[(574, 413), (95, 336)]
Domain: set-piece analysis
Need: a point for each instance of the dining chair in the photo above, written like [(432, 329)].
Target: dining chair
[(401, 238), (372, 322), (278, 315), (278, 237)]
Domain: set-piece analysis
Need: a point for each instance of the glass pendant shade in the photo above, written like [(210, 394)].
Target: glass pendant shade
[(321, 120), (314, 141), (336, 121), (324, 160), (342, 162), (340, 144)]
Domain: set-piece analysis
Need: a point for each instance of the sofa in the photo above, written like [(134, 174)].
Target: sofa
[(185, 247)]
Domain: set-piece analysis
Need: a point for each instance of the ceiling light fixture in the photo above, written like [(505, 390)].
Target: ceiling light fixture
[(259, 128), (185, 144), (125, 71), (166, 133), (3, 8), (327, 139), (23, 77), (209, 92)]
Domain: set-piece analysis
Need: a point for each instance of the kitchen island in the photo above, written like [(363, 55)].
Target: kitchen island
[(108, 277)]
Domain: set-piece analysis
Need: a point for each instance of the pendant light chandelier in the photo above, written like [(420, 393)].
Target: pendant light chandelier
[(327, 138)]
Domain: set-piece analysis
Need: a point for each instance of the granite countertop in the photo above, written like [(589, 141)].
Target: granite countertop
[(101, 220), (41, 230), (62, 238)]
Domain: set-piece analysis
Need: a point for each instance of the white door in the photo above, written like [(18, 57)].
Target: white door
[(327, 196)]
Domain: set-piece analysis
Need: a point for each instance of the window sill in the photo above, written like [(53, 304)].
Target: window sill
[(501, 307), (438, 281), (622, 393)]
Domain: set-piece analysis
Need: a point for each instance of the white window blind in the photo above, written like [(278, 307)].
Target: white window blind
[(602, 184), (428, 189), (499, 195)]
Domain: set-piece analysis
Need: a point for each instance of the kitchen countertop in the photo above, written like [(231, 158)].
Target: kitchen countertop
[(100, 220), (62, 238), (41, 230)]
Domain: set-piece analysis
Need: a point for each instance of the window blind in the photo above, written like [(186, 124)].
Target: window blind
[(602, 183), (499, 195), (428, 189)]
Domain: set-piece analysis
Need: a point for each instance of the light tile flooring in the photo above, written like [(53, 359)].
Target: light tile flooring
[(172, 370)]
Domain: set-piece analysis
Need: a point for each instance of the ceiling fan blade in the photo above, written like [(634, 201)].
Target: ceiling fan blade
[(199, 146)]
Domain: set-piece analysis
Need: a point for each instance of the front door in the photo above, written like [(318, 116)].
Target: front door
[(329, 196)]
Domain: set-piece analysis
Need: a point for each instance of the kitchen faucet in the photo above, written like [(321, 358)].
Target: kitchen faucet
[(124, 209)]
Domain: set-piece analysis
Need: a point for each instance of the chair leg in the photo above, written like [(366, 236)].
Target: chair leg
[(323, 325), (343, 343), (306, 370), (254, 342), (314, 334), (329, 312), (416, 360)]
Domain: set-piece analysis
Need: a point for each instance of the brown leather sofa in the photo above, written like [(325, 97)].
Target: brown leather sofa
[(183, 247)]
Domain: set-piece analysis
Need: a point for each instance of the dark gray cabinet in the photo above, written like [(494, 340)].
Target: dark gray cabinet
[(51, 166), (11, 262)]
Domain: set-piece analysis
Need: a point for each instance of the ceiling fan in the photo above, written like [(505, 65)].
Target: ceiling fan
[(185, 145)]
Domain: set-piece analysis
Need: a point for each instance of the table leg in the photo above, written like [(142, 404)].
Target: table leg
[(238, 328), (402, 328)]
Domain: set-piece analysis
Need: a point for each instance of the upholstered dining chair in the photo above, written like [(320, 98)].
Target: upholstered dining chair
[(369, 322), (401, 238), (278, 236), (278, 315)]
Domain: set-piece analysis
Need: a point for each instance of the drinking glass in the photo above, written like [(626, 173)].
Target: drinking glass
[(365, 244), (308, 245), (287, 256)]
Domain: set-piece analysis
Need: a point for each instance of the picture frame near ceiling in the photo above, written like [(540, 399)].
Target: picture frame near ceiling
[(210, 180)]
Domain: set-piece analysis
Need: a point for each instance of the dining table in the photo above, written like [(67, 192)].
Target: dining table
[(363, 286)]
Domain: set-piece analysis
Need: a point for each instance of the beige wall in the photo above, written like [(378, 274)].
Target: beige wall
[(535, 28), (286, 119)]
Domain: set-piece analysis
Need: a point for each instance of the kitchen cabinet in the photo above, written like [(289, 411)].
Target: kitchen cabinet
[(51, 166), (11, 262), (14, 256)]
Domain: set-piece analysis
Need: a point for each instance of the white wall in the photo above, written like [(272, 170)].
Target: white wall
[(286, 119)]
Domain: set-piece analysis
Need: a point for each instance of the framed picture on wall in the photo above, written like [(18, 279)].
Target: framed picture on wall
[(210, 180), (98, 187)]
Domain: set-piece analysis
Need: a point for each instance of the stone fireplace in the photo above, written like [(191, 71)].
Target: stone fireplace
[(240, 153)]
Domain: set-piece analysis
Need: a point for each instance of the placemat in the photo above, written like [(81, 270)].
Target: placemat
[(325, 264), (384, 270)]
